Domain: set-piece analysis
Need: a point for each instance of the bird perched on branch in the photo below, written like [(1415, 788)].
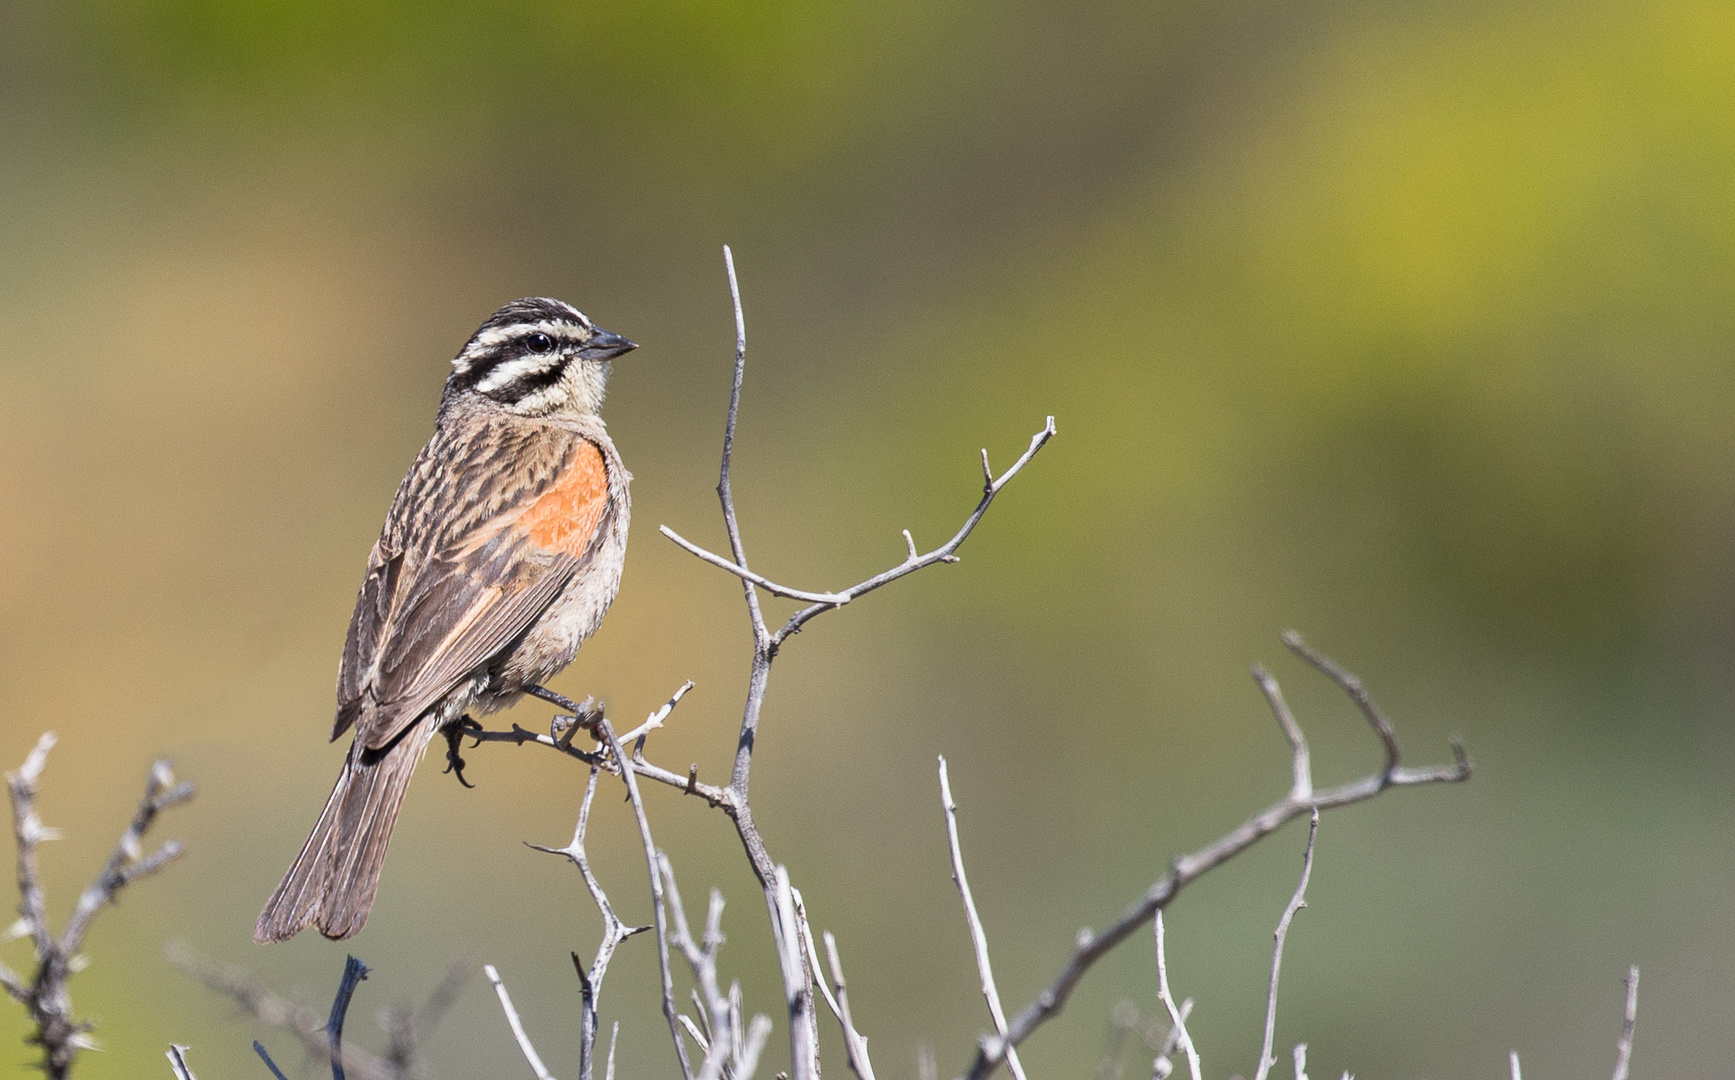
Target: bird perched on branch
[(499, 556)]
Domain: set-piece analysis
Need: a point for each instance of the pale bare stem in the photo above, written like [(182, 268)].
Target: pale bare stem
[(815, 974), (654, 722), (1517, 1073), (978, 936), (1177, 1020), (45, 995), (524, 1046), (1300, 800), (1624, 1048), (614, 1037), (725, 492), (797, 987), (614, 931), (1301, 1062), (1163, 1065), (1296, 903), (854, 1041), (1301, 763), (178, 1063), (722, 1038)]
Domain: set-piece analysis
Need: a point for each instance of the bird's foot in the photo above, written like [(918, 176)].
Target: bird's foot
[(454, 733)]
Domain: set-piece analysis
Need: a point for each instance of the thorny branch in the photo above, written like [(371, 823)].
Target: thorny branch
[(614, 931), (1301, 799), (46, 995)]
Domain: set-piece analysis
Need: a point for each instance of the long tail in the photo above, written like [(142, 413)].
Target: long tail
[(332, 883)]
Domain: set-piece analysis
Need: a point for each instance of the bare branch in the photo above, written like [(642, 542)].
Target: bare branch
[(614, 931), (1301, 1061), (1517, 1074), (524, 1046), (1177, 1019), (1296, 903), (1625, 1046), (797, 986), (826, 601), (178, 1063), (1189, 868), (978, 936), (657, 905), (725, 492), (855, 1043)]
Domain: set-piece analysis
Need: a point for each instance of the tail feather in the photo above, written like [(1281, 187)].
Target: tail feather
[(331, 884)]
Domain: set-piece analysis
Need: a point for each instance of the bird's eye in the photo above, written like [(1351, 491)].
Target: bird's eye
[(539, 343)]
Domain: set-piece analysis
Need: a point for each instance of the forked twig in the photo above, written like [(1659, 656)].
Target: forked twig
[(1177, 1016), (614, 931)]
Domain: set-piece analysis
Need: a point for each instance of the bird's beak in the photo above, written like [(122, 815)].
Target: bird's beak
[(604, 345)]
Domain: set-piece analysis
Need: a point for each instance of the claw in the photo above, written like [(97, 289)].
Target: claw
[(454, 733)]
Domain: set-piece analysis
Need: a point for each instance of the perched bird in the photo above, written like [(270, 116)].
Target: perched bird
[(499, 556)]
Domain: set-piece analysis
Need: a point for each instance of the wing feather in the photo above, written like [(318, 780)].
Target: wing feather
[(450, 587)]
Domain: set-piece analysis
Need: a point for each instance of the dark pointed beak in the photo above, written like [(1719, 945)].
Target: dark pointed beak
[(604, 345)]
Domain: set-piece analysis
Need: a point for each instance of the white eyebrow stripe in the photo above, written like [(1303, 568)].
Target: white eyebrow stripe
[(488, 340), (513, 370)]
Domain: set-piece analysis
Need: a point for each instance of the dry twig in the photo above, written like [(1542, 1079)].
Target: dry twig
[(1625, 1046), (1296, 903), (978, 936), (45, 995), (1177, 1017), (614, 931), (517, 1026)]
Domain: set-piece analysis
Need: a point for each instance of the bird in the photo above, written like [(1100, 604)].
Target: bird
[(501, 552)]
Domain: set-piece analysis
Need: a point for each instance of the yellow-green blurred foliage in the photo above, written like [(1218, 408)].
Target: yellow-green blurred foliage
[(1407, 325)]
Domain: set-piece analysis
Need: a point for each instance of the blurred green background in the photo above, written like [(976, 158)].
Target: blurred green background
[(1408, 325)]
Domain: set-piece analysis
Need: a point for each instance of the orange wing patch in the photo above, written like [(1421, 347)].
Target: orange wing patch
[(565, 517)]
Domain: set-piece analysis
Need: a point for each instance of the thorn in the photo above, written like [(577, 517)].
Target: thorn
[(911, 542), (987, 472), (692, 777)]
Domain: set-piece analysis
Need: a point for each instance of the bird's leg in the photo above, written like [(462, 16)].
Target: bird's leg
[(454, 733), (585, 715)]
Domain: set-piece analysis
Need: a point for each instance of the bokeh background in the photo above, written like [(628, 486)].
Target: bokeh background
[(1408, 325)]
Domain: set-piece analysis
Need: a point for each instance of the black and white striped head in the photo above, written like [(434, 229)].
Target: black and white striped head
[(537, 356)]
